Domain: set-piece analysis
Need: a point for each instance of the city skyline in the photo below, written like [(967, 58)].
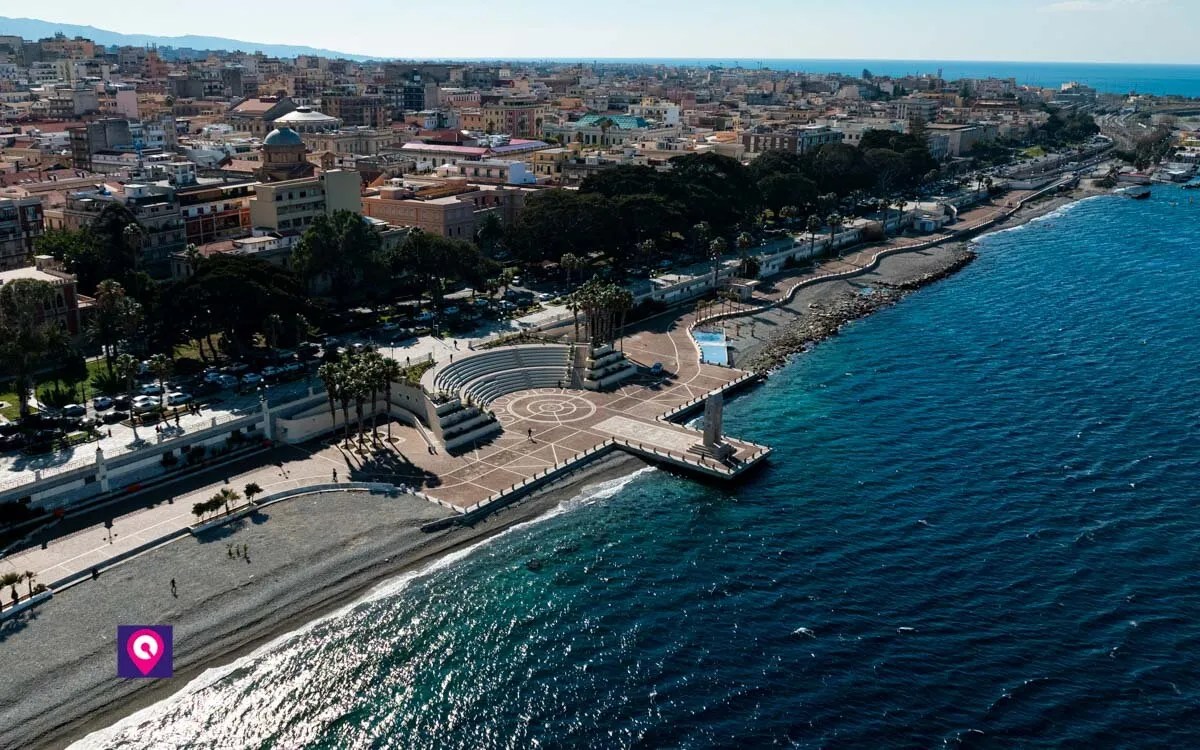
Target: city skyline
[(1119, 31)]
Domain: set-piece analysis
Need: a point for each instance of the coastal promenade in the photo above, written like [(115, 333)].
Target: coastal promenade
[(546, 431)]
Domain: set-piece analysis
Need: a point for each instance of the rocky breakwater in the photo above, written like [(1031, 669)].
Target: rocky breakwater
[(823, 320)]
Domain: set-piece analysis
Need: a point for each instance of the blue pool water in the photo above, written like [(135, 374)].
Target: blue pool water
[(713, 349), (979, 529)]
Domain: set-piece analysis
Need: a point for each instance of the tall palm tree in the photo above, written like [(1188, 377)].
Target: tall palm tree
[(391, 372), (835, 222), (571, 263), (372, 364), (716, 249), (226, 496), (899, 204), (126, 367), (330, 374), (272, 327), (160, 368), (814, 225)]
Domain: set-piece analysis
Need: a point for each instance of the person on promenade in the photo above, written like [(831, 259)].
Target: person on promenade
[(173, 591), (335, 475)]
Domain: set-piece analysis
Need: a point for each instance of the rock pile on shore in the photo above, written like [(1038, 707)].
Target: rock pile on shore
[(961, 260), (821, 321)]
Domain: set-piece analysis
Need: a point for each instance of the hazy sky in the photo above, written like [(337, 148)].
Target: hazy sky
[(1066, 30)]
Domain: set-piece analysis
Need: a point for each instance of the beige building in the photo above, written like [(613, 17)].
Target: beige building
[(289, 207), (450, 209)]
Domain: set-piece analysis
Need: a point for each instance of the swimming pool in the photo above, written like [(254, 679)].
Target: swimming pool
[(713, 349)]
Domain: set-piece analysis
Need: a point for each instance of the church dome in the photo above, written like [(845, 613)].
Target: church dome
[(284, 136), (308, 120)]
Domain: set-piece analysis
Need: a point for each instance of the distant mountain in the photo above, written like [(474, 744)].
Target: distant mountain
[(33, 29)]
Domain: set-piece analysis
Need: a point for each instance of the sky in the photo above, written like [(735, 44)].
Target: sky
[(1162, 31)]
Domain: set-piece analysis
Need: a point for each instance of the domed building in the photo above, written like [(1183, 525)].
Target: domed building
[(306, 120), (284, 156)]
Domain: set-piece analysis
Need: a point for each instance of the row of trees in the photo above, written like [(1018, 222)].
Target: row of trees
[(360, 379), (628, 211), (224, 500)]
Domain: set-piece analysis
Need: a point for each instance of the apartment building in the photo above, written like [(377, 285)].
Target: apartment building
[(21, 223), (289, 207)]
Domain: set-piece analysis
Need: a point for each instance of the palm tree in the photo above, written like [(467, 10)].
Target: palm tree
[(716, 249), (160, 367), (226, 496), (334, 377), (272, 327), (570, 262), (390, 372), (116, 316), (702, 231), (356, 392), (789, 213), (29, 576), (744, 242), (372, 364), (835, 222), (814, 225), (135, 238), (251, 490), (899, 204), (126, 367)]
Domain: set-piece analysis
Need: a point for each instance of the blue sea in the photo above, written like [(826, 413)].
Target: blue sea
[(1111, 78), (979, 529)]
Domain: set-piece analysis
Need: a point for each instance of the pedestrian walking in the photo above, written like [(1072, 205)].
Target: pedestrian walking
[(174, 593), (335, 475)]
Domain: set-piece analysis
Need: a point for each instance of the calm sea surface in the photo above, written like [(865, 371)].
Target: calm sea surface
[(1113, 78), (981, 528)]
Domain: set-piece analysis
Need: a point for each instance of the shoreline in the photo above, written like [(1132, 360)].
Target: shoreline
[(815, 314), (818, 312), (91, 699)]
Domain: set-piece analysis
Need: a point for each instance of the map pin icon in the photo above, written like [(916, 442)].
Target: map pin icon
[(145, 648)]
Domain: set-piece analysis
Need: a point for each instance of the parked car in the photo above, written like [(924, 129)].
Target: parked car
[(251, 378), (271, 371), (151, 389), (122, 402), (178, 398), (211, 375), (143, 404), (102, 403), (115, 416), (75, 411), (237, 368), (206, 388), (227, 381)]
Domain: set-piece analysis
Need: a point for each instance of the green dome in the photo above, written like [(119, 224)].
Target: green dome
[(283, 137)]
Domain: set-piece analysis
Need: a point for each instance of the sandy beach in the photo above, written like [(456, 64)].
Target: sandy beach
[(313, 555)]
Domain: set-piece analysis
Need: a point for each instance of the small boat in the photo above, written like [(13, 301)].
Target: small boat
[(1140, 194), (1192, 186)]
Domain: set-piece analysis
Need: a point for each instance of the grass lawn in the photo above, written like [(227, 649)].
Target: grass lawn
[(12, 409), (1034, 151)]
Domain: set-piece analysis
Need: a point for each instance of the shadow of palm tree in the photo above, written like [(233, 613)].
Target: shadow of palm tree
[(393, 466)]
